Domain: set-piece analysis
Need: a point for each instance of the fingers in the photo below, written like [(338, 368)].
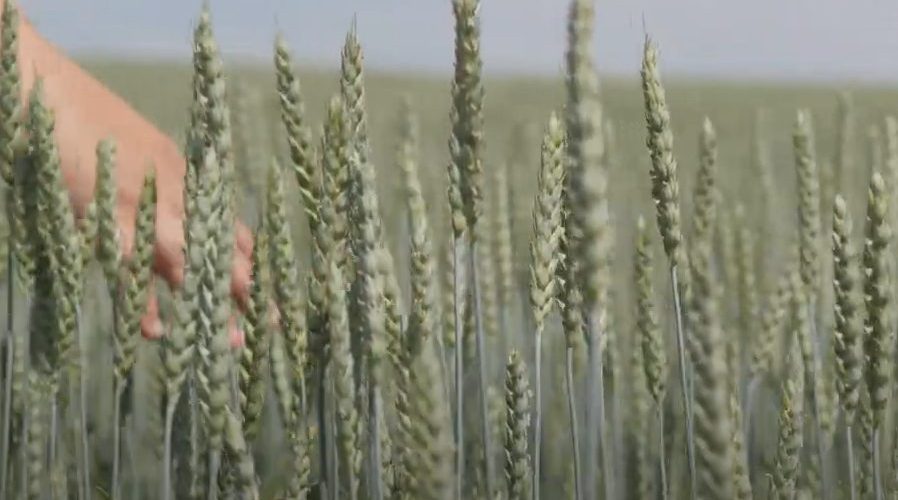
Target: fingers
[(150, 324), (242, 272), (235, 334)]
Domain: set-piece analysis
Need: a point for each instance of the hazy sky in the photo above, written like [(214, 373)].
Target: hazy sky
[(767, 39)]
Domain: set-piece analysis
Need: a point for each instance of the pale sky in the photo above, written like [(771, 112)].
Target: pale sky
[(760, 39)]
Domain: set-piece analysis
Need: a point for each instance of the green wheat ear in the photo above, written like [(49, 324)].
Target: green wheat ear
[(257, 340), (517, 423), (846, 332), (109, 246)]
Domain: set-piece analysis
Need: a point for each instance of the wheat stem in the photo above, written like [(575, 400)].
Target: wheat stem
[(482, 371), (8, 376), (849, 450), (572, 412), (662, 454), (458, 303), (877, 466)]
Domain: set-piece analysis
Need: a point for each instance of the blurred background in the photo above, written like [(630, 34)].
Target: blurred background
[(761, 39)]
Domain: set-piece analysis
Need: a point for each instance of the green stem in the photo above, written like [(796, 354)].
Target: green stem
[(815, 367), (877, 473), (596, 423), (119, 392), (459, 366), (82, 424), (849, 448), (166, 457), (684, 383), (572, 411), (323, 441), (10, 359), (482, 374), (537, 411), (662, 453), (375, 481), (54, 441)]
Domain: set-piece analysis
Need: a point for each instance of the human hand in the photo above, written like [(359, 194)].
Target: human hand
[(87, 112)]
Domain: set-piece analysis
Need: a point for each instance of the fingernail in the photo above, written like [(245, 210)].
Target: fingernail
[(236, 337), (156, 329)]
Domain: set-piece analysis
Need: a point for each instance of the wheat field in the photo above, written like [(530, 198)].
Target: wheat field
[(463, 287)]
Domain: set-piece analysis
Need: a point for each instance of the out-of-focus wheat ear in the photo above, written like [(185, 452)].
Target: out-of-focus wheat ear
[(132, 283), (240, 459), (280, 378), (466, 203), (791, 422), (466, 116), (504, 251), (299, 484), (846, 330), (423, 307), (38, 422), (705, 195), (765, 196), (517, 423), (809, 230), (545, 260), (742, 488), (865, 462), (257, 340), (58, 246), (349, 456), (713, 420), (16, 259), (373, 306), (587, 187), (772, 318), (877, 299), (808, 201), (665, 193), (747, 290), (890, 166), (179, 344), (209, 75), (285, 280), (10, 85), (336, 180), (650, 338), (213, 311), (653, 352), (324, 249), (299, 141), (109, 247), (352, 90), (433, 425)]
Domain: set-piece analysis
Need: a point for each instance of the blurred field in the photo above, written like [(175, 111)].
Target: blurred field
[(516, 112)]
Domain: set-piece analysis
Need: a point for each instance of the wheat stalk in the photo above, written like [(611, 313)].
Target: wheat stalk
[(544, 254), (131, 295), (846, 334), (651, 341), (665, 193), (877, 298), (344, 387)]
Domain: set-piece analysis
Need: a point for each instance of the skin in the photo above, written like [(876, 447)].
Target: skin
[(87, 112)]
